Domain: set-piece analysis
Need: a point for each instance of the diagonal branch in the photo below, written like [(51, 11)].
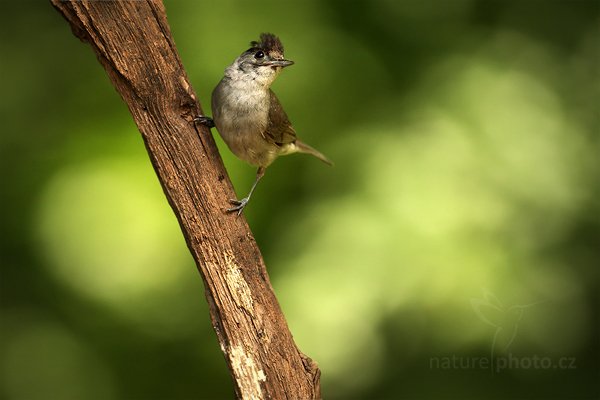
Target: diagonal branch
[(133, 42)]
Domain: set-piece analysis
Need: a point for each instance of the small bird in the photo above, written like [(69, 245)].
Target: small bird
[(249, 116)]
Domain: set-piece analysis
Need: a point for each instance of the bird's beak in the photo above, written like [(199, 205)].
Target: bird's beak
[(279, 63)]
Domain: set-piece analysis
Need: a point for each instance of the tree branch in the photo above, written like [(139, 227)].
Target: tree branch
[(133, 42)]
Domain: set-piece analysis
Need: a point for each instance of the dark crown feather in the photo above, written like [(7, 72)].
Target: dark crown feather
[(269, 43)]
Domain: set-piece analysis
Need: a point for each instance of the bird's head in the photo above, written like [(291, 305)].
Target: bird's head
[(262, 62)]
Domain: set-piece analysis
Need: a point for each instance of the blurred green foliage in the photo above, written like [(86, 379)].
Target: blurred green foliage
[(461, 221)]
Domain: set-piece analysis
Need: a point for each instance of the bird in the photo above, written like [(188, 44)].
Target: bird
[(248, 114)]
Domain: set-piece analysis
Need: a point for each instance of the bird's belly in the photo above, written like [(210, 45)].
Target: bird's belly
[(244, 137)]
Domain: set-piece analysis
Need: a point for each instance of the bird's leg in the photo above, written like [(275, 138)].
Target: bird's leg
[(238, 205), (204, 120)]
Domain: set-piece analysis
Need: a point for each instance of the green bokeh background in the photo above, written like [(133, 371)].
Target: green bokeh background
[(460, 223)]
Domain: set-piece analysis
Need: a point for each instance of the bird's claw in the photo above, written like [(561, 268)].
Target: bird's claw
[(238, 205), (204, 120)]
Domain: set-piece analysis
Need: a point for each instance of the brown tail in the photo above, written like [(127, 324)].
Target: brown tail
[(304, 148)]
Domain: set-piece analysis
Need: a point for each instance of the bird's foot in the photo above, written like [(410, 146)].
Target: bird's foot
[(204, 120), (238, 205)]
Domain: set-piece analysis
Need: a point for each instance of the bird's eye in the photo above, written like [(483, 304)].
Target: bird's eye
[(259, 54)]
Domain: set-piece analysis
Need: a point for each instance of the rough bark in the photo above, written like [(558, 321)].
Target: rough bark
[(133, 42)]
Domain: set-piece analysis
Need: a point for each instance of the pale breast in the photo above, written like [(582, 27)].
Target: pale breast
[(241, 116)]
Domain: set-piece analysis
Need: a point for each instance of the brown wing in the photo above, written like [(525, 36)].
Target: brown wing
[(279, 129)]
